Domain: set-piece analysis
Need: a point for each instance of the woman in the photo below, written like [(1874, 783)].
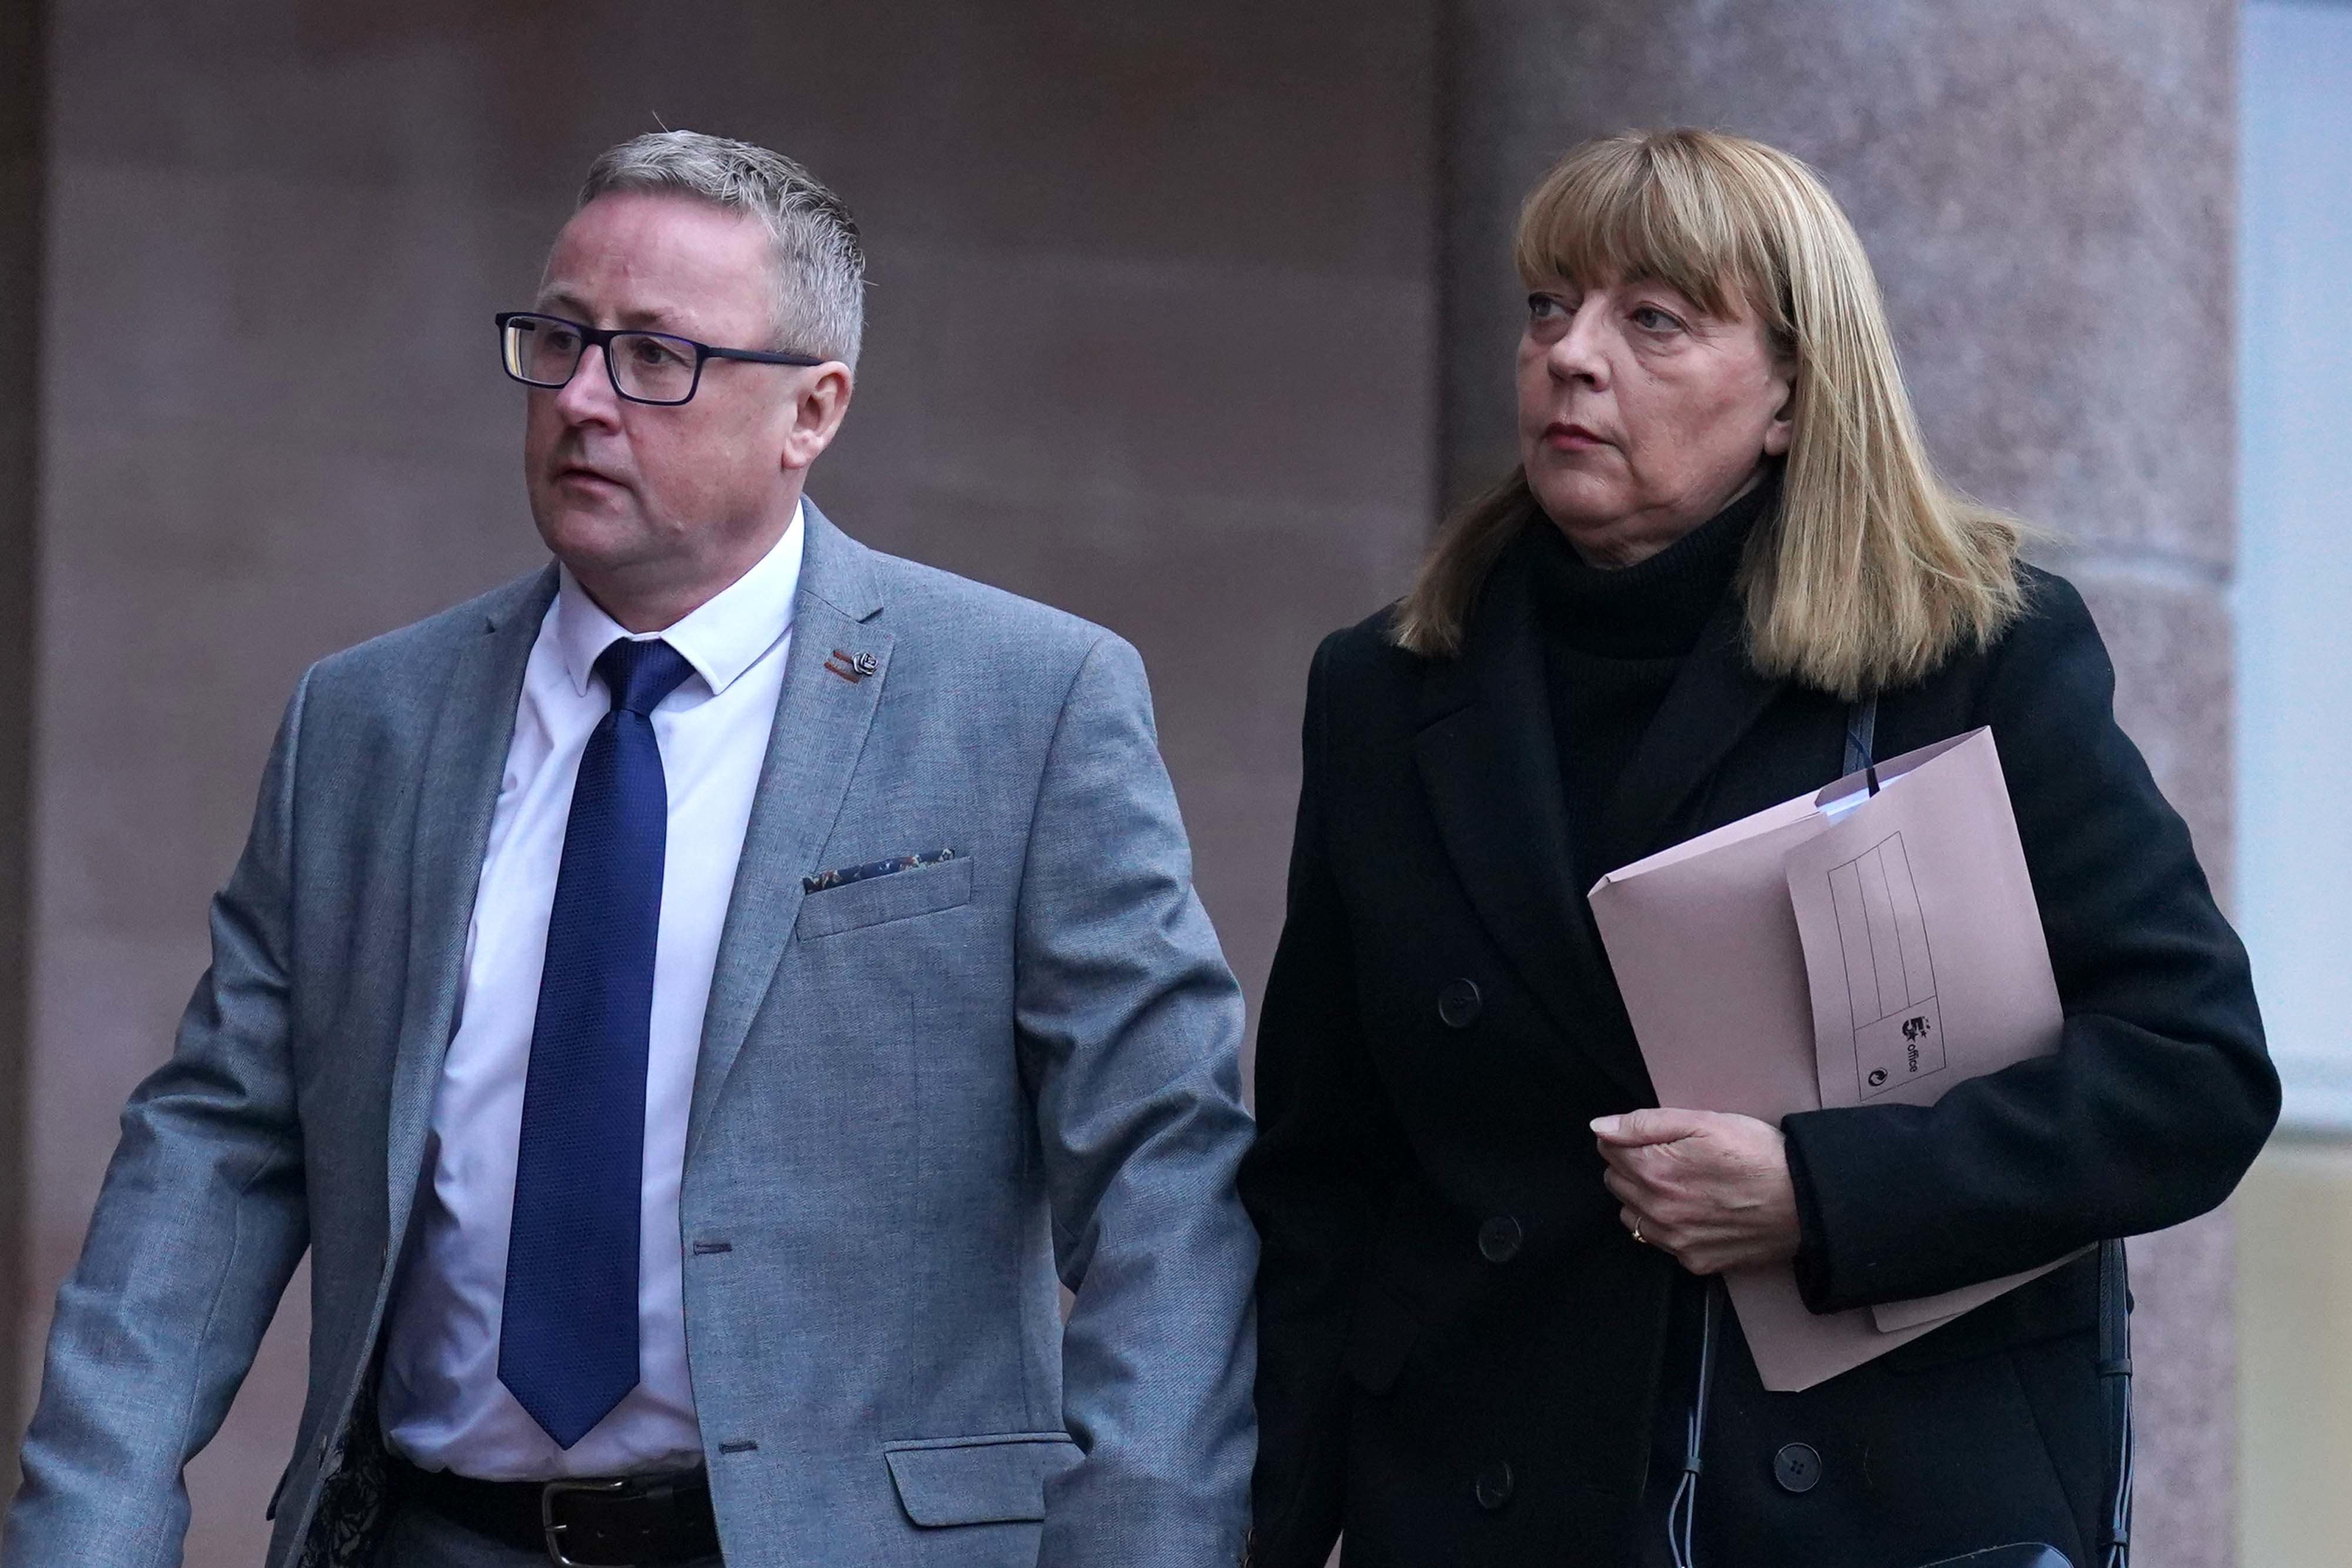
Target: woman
[(1481, 1294)]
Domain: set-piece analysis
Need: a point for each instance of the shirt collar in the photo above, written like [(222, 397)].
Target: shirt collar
[(721, 639)]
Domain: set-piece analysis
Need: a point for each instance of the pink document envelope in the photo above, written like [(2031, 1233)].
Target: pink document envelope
[(1737, 950)]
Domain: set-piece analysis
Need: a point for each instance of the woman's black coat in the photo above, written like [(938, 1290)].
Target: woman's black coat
[(1462, 1349)]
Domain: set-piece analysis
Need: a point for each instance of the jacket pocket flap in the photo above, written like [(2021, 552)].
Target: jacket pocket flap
[(897, 896), (978, 1480)]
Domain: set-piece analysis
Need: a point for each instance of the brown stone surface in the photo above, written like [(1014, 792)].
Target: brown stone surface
[(2169, 636), (2184, 1386), (2170, 639), (20, 255), (2046, 189), (1154, 335), (1150, 337)]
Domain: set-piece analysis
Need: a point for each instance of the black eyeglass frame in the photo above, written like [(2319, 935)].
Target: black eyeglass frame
[(602, 338)]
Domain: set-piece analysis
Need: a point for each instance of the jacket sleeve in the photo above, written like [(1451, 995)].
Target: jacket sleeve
[(2161, 1092), (1130, 1028), (1318, 1184), (199, 1224)]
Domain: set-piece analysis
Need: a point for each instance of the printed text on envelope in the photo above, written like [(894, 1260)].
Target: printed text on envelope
[(1890, 970)]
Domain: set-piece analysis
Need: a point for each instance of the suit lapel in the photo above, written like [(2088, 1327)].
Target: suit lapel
[(820, 729), (464, 763), (1716, 699), (1489, 762)]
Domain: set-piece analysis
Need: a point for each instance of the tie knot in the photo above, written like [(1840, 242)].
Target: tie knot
[(639, 675)]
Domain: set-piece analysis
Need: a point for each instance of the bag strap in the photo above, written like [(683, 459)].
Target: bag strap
[(1681, 1513), (1861, 736), (2115, 1386)]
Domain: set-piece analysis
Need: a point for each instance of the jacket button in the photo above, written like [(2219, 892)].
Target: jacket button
[(1797, 1467), (1499, 1239), (1494, 1486), (1458, 1005)]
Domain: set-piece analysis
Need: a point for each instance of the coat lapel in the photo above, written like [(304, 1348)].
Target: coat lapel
[(820, 728), (464, 763), (1716, 699), (1489, 764)]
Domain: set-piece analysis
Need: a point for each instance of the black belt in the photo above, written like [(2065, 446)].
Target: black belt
[(622, 1521)]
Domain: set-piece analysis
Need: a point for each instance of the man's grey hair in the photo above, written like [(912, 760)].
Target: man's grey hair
[(820, 264)]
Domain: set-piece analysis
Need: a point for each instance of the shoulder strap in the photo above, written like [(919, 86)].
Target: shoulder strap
[(2115, 1386), (1862, 734)]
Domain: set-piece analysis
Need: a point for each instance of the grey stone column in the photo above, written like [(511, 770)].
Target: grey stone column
[(2046, 188), (20, 258)]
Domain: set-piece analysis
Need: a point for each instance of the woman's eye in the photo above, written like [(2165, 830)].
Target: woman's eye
[(1650, 318), (1544, 307)]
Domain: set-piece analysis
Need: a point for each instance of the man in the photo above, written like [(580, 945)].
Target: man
[(692, 1002)]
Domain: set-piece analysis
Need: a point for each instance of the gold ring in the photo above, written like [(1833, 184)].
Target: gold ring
[(1637, 1234)]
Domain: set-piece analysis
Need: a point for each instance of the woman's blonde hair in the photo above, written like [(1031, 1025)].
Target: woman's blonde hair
[(1873, 571)]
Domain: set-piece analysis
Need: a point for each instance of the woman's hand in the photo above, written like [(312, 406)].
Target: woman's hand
[(1709, 1189)]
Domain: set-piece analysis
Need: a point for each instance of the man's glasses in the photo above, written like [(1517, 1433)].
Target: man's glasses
[(645, 367)]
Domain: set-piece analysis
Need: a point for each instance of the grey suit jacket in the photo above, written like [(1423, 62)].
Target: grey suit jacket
[(921, 1098)]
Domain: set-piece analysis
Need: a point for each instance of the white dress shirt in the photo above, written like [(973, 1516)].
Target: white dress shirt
[(443, 1405)]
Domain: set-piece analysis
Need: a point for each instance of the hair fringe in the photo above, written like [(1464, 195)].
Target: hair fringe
[(1873, 571)]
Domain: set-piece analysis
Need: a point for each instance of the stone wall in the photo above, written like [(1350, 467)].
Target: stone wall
[(1148, 341), (1159, 295), (20, 253)]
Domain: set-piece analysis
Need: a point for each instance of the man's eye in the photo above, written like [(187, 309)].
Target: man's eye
[(653, 354), (559, 339)]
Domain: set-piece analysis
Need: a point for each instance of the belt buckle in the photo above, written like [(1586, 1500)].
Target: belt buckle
[(548, 1492)]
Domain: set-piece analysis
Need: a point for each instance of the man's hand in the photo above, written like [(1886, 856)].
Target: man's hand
[(1710, 1190)]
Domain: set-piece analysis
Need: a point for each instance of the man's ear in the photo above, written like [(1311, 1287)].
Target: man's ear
[(819, 406)]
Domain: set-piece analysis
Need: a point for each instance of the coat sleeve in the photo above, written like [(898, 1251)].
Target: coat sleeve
[(2161, 1092), (1130, 1028), (198, 1227), (1319, 1184)]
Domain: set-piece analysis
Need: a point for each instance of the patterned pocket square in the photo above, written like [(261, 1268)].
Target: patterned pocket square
[(843, 877)]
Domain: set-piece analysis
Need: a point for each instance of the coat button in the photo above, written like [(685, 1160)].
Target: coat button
[(1494, 1486), (1458, 1003), (1797, 1467), (1499, 1239)]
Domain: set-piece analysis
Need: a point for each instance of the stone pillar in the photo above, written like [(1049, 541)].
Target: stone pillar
[(20, 258), (2046, 189)]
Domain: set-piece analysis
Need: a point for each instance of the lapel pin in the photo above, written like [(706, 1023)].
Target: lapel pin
[(852, 667)]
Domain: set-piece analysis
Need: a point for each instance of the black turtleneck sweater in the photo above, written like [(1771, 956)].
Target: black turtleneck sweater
[(1614, 639)]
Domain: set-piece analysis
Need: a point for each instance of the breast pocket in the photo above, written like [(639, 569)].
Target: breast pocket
[(878, 900)]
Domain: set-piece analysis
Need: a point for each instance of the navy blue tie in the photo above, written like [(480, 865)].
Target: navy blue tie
[(567, 1338)]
